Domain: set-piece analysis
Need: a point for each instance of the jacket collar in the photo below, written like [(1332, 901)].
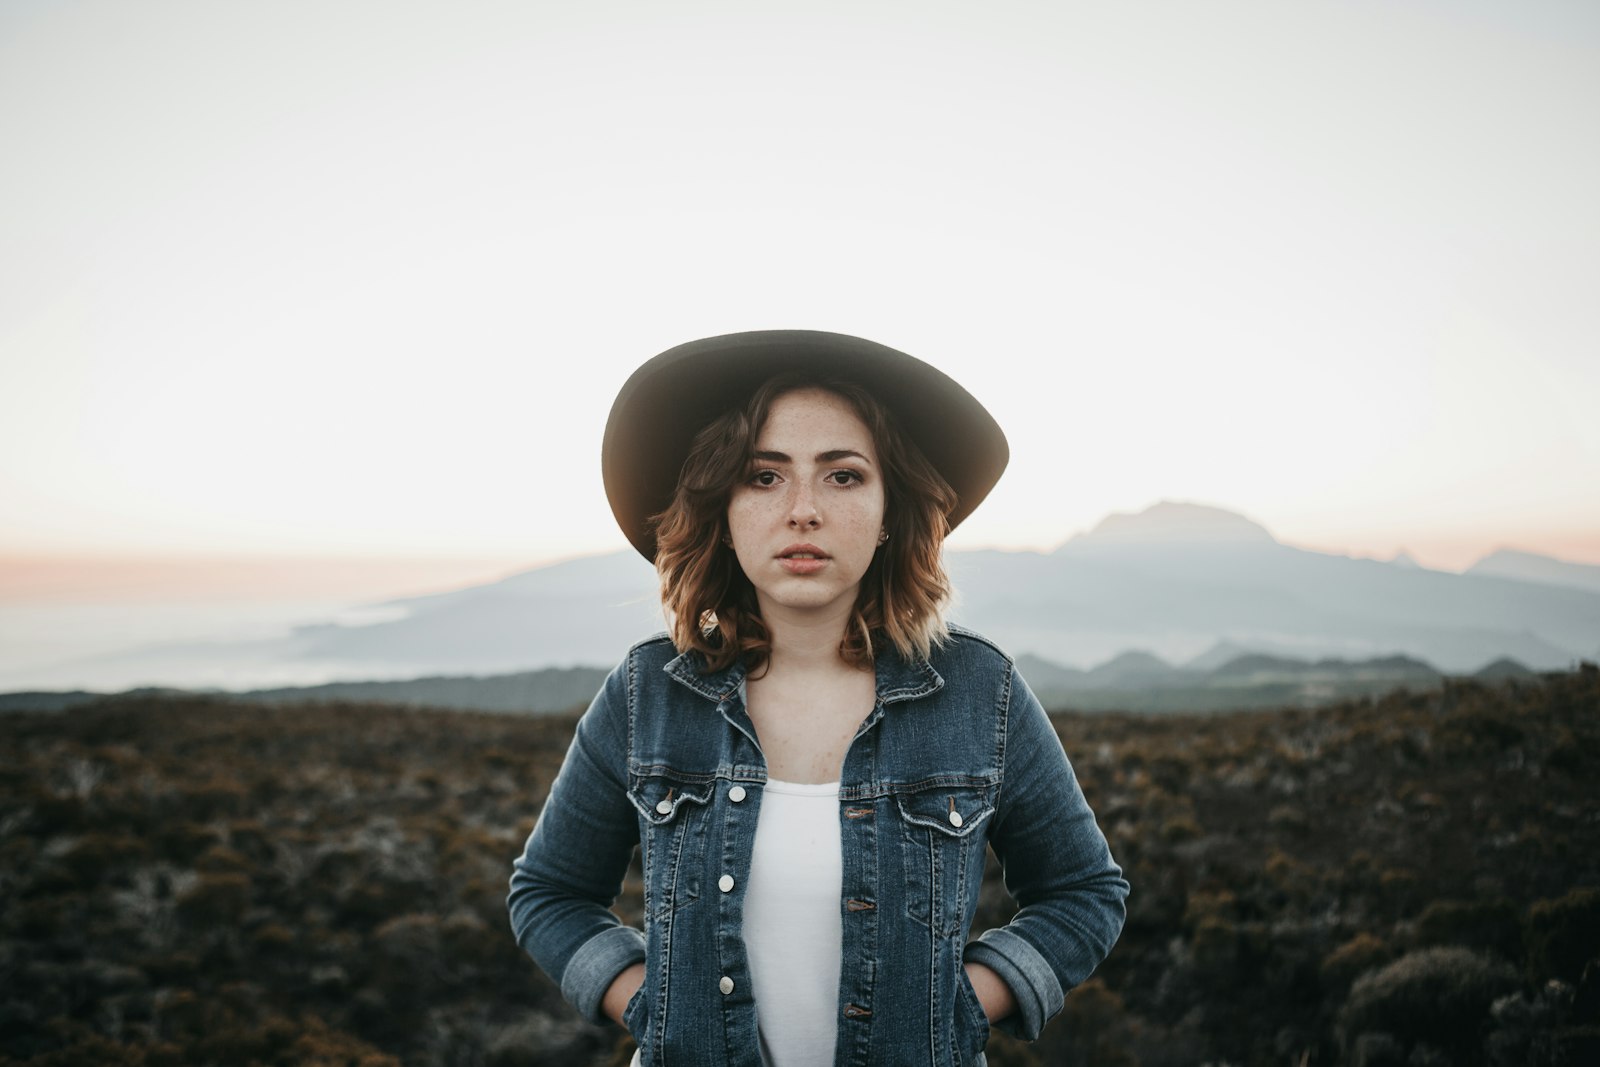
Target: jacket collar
[(897, 678)]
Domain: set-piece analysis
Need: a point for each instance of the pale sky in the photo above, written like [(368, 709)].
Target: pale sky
[(362, 278)]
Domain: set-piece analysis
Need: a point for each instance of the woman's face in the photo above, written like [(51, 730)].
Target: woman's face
[(805, 520)]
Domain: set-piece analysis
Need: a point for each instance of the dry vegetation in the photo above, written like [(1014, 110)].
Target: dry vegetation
[(1408, 880)]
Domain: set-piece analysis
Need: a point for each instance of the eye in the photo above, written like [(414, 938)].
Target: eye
[(764, 478), (844, 477)]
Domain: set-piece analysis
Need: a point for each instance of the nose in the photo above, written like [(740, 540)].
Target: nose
[(803, 509)]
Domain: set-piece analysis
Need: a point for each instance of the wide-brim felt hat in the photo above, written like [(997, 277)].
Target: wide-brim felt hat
[(674, 395)]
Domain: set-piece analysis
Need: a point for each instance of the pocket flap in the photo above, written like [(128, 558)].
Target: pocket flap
[(660, 798), (952, 810)]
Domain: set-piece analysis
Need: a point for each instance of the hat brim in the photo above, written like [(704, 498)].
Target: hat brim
[(673, 396)]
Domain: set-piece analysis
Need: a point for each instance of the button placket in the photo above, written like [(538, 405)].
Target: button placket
[(725, 884), (736, 794)]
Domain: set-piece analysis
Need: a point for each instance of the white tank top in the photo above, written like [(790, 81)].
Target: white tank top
[(793, 933)]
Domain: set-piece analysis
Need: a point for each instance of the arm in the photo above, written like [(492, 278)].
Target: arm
[(994, 996), (622, 990), (564, 883), (1058, 868)]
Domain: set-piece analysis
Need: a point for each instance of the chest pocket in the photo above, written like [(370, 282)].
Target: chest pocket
[(944, 831), (672, 815)]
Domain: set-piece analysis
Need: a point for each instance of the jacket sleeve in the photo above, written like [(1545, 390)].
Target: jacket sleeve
[(571, 870), (1069, 891)]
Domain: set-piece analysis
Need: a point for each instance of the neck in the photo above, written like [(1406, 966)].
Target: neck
[(804, 642)]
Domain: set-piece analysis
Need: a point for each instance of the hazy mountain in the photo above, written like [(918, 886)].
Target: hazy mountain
[(551, 689), (584, 611), (1133, 681), (1136, 581), (1531, 567), (1134, 670), (61, 700), (1182, 583), (1042, 674), (1173, 523), (1503, 668), (1215, 656), (1266, 670), (1140, 682)]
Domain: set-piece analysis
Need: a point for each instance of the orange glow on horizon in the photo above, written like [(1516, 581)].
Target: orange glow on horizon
[(197, 578), (1456, 554)]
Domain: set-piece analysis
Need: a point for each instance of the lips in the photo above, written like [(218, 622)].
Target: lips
[(803, 559)]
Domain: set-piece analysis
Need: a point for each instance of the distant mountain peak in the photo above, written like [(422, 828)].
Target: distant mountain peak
[(1134, 667), (1503, 554), (1174, 521), (1217, 655), (1502, 668), (1136, 657), (1403, 558), (1532, 567)]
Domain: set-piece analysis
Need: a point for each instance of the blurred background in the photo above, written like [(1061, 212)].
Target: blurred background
[(310, 318), (305, 307)]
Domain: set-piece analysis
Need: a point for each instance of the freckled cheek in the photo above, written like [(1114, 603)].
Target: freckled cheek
[(754, 509), (754, 516), (858, 523), (863, 522)]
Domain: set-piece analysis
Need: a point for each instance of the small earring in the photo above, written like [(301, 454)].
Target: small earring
[(727, 539), (883, 535)]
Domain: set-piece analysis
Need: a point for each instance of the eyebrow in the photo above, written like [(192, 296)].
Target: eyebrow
[(831, 456)]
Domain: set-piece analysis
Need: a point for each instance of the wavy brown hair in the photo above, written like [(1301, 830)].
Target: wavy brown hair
[(710, 604)]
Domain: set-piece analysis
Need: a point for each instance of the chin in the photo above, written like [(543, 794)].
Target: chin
[(812, 599)]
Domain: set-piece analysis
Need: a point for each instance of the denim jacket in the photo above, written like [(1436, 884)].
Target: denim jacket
[(955, 754)]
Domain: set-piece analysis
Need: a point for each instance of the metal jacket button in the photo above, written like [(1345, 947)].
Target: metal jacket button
[(726, 985), (725, 883), (736, 794), (665, 807)]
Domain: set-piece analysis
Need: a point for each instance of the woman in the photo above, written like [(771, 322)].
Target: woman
[(811, 762)]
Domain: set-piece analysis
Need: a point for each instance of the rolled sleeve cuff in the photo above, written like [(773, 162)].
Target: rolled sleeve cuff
[(1033, 984), (596, 965)]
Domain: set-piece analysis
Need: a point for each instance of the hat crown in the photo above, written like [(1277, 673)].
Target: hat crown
[(672, 396)]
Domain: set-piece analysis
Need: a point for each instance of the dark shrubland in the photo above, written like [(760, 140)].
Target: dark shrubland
[(1412, 879)]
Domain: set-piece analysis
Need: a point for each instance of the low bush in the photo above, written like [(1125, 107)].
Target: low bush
[(1564, 934), (1435, 997)]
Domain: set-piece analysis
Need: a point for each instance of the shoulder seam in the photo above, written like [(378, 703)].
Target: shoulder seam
[(653, 639), (959, 631)]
